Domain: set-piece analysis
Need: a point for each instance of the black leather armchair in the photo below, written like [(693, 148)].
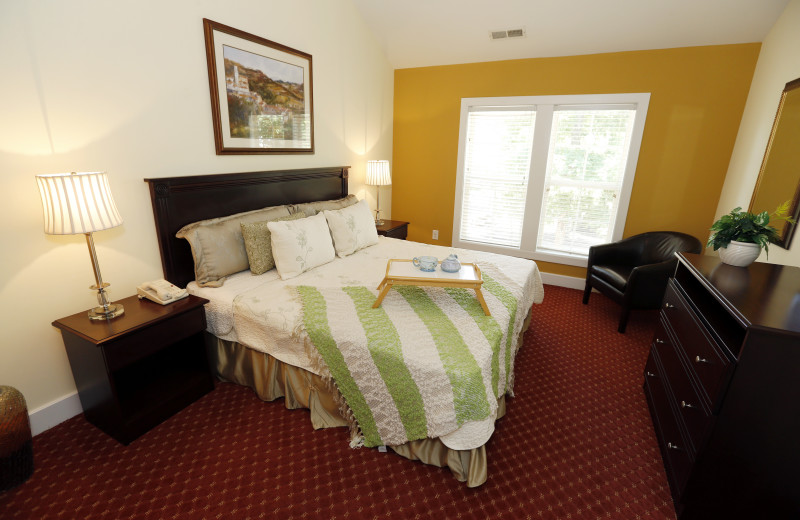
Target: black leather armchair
[(634, 272)]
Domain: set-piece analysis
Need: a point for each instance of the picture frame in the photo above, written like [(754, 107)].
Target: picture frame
[(261, 93)]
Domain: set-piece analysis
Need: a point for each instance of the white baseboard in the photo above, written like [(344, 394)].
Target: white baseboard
[(54, 413), (563, 281)]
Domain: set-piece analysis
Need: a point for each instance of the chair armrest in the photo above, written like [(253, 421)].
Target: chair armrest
[(624, 252), (647, 283)]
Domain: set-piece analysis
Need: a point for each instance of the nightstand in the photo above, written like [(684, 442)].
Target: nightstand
[(135, 371), (393, 229)]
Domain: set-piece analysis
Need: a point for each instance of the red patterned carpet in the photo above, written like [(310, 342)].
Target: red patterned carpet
[(577, 443)]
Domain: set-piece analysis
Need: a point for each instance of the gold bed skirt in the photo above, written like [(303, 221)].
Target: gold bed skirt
[(271, 379)]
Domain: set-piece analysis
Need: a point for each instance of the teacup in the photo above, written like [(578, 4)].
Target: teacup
[(425, 263)]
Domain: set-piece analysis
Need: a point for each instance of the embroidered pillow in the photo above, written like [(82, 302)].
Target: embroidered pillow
[(352, 228), (258, 243), (300, 245), (218, 246)]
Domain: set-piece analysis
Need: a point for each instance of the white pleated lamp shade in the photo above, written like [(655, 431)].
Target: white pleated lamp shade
[(378, 173), (77, 203)]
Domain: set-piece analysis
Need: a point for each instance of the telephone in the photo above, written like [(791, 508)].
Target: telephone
[(161, 291)]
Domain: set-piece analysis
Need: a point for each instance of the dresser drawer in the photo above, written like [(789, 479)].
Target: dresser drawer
[(692, 411), (677, 459), (707, 363)]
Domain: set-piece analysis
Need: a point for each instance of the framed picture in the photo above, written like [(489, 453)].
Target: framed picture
[(261, 93)]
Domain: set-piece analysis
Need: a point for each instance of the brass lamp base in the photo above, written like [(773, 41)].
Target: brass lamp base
[(106, 310), (378, 220), (100, 313)]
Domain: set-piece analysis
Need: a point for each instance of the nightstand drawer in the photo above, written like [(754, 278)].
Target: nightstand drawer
[(692, 411), (142, 343), (400, 233), (393, 229), (709, 365)]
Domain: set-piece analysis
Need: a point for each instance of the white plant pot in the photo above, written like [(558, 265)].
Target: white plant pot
[(740, 254)]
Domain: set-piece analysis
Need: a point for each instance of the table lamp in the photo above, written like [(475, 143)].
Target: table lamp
[(378, 175), (82, 203)]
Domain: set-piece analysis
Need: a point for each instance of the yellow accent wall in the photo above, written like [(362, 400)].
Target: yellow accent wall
[(696, 103)]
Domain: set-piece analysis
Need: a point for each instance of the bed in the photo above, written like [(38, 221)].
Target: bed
[(266, 333)]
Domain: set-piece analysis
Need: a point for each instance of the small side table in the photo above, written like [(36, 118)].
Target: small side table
[(135, 371), (393, 229)]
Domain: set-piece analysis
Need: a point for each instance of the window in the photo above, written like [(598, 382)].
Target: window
[(498, 158), (546, 177)]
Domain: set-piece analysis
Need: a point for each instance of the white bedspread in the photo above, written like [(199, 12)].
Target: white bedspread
[(264, 312)]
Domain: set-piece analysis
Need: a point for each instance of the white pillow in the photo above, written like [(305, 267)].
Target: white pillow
[(300, 245), (352, 228)]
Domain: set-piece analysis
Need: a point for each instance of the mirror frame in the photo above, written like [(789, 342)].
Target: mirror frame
[(794, 208)]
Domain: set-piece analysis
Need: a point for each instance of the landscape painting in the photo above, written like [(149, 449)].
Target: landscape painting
[(261, 95)]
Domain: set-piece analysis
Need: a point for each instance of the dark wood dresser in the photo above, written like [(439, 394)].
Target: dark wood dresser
[(723, 385)]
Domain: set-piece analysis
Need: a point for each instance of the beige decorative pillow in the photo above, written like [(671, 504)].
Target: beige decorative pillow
[(301, 245), (218, 246), (258, 243), (352, 228), (312, 208)]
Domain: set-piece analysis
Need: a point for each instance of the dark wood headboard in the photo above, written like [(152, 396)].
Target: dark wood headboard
[(178, 201)]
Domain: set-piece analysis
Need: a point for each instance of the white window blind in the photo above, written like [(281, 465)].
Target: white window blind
[(497, 161), (585, 168), (546, 177)]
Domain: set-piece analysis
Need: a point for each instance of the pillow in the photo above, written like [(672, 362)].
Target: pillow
[(218, 246), (258, 243), (300, 245), (352, 228), (312, 208)]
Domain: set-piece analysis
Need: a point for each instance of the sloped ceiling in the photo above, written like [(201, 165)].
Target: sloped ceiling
[(419, 33)]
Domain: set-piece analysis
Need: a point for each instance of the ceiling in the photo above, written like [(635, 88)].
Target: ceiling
[(419, 33)]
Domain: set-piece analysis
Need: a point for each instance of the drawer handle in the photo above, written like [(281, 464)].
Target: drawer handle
[(674, 447), (649, 374), (698, 359), (684, 404), (669, 306)]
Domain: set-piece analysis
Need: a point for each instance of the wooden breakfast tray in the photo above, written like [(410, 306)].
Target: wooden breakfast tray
[(403, 272)]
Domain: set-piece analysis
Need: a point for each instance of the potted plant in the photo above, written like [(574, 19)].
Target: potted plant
[(740, 235)]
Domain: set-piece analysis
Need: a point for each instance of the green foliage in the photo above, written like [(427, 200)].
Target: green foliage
[(743, 226), (239, 112)]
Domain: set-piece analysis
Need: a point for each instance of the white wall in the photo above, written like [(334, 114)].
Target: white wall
[(123, 87), (778, 63)]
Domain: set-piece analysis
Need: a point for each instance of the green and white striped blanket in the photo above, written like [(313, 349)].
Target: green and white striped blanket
[(426, 362)]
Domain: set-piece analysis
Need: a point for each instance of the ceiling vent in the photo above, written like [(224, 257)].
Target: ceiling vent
[(508, 33)]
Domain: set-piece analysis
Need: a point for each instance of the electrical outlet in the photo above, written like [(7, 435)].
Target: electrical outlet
[(436, 234)]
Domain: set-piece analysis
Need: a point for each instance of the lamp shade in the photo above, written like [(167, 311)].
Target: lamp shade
[(378, 173), (77, 203)]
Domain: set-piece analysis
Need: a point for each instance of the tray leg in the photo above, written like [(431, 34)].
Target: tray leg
[(479, 294), (382, 294)]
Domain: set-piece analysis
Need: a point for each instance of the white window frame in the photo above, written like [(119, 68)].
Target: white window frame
[(544, 106)]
